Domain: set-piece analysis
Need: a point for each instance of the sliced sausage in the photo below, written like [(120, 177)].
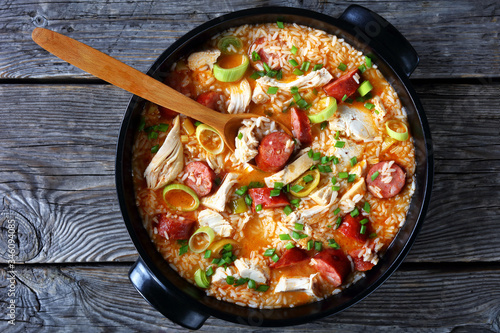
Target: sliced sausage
[(274, 151), (200, 178), (351, 228), (177, 79), (301, 127), (333, 265), (175, 228), (390, 180), (359, 263), (344, 85), (209, 99), (166, 112), (262, 196), (290, 257), (268, 58)]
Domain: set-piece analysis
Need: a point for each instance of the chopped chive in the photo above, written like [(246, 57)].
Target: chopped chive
[(367, 207), (334, 180), (338, 222), (295, 202), (298, 72), (252, 284), (142, 124), (275, 193), (295, 235), (155, 149), (354, 160), (278, 185), (362, 68), (343, 175), (279, 76), (363, 221), (272, 73), (351, 178), (269, 252), (228, 247), (242, 190), (163, 127), (241, 281), (280, 24), (287, 210), (376, 111), (208, 253), (266, 67), (215, 261), (183, 249), (336, 211), (294, 90), (360, 99), (296, 97), (335, 160), (294, 49), (310, 153), (285, 237), (302, 103), (302, 236), (323, 125), (349, 100), (342, 67), (310, 245), (363, 229), (305, 66), (255, 76), (258, 208), (373, 235), (317, 67), (255, 56), (333, 244), (313, 167), (297, 188), (230, 279), (337, 135), (307, 178), (315, 92), (375, 175), (324, 168), (289, 246), (262, 288), (240, 136), (287, 188), (335, 188), (288, 107), (339, 144), (369, 106), (318, 246), (152, 135), (344, 98), (210, 271), (316, 156), (355, 212), (275, 257), (368, 61), (197, 123), (248, 200), (293, 62), (325, 159), (299, 226)]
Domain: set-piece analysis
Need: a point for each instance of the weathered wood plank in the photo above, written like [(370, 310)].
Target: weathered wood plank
[(97, 298), (57, 148), (453, 39)]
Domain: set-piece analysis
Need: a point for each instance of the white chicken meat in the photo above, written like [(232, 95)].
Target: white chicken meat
[(312, 80), (217, 201), (216, 222), (240, 97)]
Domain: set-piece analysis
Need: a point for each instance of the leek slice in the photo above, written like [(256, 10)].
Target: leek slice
[(225, 43), (231, 74), (197, 246), (217, 246), (204, 143), (326, 113), (200, 277), (397, 135), (239, 206), (186, 189), (306, 187), (365, 88)]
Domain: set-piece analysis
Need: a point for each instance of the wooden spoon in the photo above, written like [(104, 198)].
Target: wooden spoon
[(130, 79)]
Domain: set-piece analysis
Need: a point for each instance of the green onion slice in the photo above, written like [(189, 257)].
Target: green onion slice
[(365, 88), (194, 242), (225, 43), (204, 143), (186, 189), (231, 74), (200, 277), (397, 135), (329, 105)]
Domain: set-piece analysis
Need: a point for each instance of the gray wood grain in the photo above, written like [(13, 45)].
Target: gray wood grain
[(101, 298), (454, 39), (57, 145)]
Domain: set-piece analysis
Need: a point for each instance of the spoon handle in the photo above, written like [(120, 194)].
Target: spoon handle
[(121, 75)]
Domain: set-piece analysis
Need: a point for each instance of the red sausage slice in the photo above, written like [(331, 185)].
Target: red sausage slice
[(209, 99), (262, 196), (204, 177), (274, 151), (264, 56), (166, 112), (290, 257), (333, 265), (390, 180), (344, 85), (359, 263), (351, 228), (175, 228), (301, 127)]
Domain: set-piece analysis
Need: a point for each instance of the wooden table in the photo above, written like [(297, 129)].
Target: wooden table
[(59, 127)]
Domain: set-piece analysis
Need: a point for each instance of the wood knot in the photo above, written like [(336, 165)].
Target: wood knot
[(18, 237), (40, 21)]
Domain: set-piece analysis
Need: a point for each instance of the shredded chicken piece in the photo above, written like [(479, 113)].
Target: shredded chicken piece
[(324, 196), (291, 172), (355, 122), (240, 97), (308, 285), (168, 162), (346, 153), (354, 194), (217, 201), (251, 270), (259, 95), (379, 106), (359, 169), (313, 79), (221, 274), (215, 221), (204, 58)]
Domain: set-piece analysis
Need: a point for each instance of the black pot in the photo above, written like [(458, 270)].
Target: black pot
[(187, 305)]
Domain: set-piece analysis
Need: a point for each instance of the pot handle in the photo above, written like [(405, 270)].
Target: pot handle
[(162, 299), (374, 30)]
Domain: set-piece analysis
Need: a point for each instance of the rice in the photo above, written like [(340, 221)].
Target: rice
[(256, 232)]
